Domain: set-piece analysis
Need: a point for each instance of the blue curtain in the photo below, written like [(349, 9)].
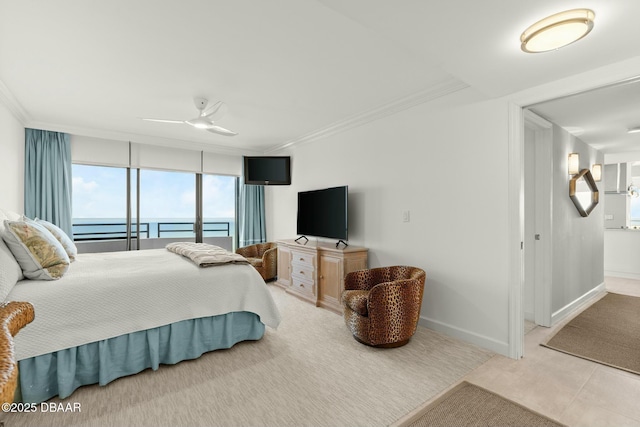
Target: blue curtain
[(47, 177), (251, 215)]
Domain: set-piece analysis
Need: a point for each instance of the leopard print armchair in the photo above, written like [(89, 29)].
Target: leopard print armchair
[(264, 258), (382, 305), (13, 317)]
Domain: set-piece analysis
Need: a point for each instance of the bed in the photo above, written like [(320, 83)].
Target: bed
[(116, 314)]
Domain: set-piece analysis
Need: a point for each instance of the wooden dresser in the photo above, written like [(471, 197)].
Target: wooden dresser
[(315, 272)]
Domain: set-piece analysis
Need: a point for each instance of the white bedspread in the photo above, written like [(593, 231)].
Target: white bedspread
[(104, 295)]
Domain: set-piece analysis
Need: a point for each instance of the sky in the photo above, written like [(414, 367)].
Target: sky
[(100, 192)]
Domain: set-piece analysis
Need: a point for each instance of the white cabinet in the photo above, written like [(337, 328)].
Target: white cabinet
[(315, 272), (303, 274)]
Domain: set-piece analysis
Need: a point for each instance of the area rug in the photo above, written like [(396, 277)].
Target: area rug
[(470, 405), (608, 332)]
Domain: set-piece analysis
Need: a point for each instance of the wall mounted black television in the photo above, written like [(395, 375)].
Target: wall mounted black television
[(324, 213), (267, 170)]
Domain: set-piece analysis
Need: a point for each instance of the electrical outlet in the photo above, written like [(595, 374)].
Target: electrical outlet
[(406, 216), (608, 217)]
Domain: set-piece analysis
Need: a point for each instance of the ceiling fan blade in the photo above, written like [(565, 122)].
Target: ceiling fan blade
[(222, 131), (164, 120), (215, 111), (200, 123)]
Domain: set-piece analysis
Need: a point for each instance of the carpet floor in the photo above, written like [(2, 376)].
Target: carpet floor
[(468, 405), (607, 332), (309, 372)]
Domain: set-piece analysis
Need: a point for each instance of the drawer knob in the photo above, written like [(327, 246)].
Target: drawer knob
[(302, 272), (301, 259)]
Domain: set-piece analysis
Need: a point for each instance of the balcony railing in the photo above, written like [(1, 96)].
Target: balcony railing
[(181, 227), (107, 231), (118, 231)]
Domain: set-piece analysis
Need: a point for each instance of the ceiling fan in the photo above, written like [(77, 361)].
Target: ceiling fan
[(209, 114)]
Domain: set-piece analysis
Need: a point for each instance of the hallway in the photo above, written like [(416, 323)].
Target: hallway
[(569, 389)]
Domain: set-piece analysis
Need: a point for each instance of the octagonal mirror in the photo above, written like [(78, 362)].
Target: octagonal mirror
[(583, 192)]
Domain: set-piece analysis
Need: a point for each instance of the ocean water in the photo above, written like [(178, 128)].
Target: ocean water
[(115, 228)]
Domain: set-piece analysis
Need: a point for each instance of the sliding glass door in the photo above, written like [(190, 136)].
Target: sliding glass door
[(219, 209), (99, 208), (168, 206), (151, 208)]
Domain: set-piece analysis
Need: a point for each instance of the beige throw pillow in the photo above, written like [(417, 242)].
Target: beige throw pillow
[(62, 237), (39, 253)]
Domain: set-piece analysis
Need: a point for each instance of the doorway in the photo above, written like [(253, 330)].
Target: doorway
[(569, 106), (538, 192)]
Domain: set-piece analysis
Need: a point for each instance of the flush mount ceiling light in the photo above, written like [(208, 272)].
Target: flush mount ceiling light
[(556, 31)]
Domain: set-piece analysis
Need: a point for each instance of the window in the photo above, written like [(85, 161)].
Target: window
[(168, 203), (218, 205), (99, 202)]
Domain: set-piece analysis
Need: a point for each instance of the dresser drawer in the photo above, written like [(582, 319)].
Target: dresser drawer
[(303, 286), (303, 258), (303, 271)]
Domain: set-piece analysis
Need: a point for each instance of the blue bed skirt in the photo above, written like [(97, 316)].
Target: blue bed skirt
[(62, 372)]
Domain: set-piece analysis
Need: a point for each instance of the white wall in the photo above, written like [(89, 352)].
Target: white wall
[(447, 163), (578, 242), (11, 161), (621, 253)]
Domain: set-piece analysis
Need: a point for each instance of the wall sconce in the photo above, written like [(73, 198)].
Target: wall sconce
[(574, 163), (596, 172)]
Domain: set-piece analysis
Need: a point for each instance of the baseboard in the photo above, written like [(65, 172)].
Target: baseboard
[(464, 335), (622, 274), (565, 311)]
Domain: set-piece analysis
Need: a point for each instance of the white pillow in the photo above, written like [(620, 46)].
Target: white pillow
[(2, 218), (10, 215), (39, 253), (10, 271), (62, 237), (8, 263)]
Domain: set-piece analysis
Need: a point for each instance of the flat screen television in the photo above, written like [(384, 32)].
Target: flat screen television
[(267, 170), (323, 213)]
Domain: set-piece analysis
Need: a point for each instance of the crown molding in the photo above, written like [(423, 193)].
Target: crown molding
[(436, 91), (433, 92), (144, 139), (531, 118), (10, 101)]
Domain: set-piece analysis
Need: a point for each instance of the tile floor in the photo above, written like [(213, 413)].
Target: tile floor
[(571, 390)]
